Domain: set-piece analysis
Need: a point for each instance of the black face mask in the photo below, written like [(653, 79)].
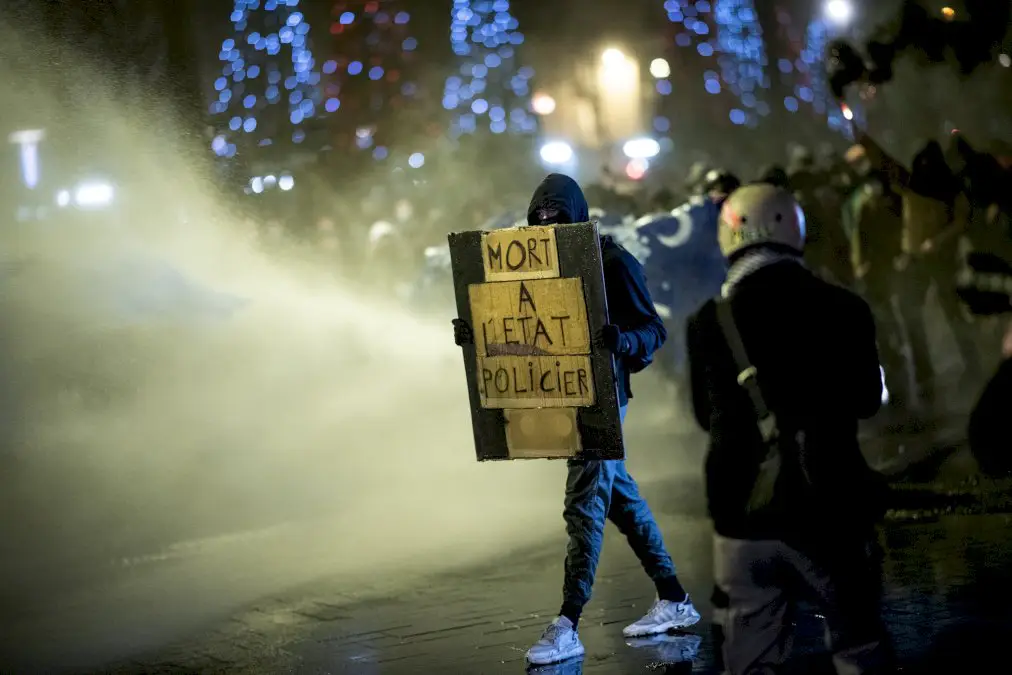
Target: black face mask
[(551, 214)]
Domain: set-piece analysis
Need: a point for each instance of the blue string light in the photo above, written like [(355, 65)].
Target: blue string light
[(484, 36), (728, 30), (272, 39), (814, 89)]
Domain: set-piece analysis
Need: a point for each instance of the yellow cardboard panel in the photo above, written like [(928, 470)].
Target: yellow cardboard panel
[(535, 381), (543, 433), (520, 253), (538, 318)]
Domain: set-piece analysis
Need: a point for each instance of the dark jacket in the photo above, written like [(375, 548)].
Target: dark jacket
[(988, 428), (631, 309), (559, 199), (813, 346)]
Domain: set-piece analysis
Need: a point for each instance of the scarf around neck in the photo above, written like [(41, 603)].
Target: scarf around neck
[(751, 261)]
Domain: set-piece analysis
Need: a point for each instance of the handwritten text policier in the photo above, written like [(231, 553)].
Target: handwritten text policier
[(601, 490)]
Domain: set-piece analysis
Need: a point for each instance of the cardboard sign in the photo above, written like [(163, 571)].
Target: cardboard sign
[(509, 256), (539, 387)]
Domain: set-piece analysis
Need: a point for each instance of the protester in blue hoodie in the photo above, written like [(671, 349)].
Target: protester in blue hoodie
[(599, 490)]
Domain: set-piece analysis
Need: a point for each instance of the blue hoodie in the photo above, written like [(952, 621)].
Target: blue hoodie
[(559, 199)]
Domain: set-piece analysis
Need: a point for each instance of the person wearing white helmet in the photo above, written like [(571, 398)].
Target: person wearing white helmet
[(782, 366)]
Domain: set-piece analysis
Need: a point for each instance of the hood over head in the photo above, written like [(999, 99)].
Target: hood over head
[(558, 199)]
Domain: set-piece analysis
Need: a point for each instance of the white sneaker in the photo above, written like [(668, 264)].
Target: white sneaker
[(558, 643), (669, 648), (662, 617)]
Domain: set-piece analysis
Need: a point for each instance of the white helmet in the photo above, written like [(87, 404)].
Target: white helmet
[(760, 214)]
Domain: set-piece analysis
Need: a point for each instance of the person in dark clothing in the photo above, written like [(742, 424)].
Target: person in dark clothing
[(988, 428), (827, 251), (872, 218), (776, 176), (812, 350), (936, 214), (596, 490)]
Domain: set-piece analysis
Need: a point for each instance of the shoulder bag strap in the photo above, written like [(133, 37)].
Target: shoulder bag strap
[(746, 371)]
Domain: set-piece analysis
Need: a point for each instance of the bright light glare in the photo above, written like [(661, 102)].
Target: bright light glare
[(612, 58), (416, 161), (29, 140), (847, 112), (637, 168), (93, 195), (618, 75), (286, 182), (543, 104), (63, 198), (660, 69), (1005, 61), (948, 13), (556, 152), (839, 11), (641, 148), (27, 136)]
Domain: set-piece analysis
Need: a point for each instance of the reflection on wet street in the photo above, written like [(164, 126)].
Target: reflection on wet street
[(948, 589)]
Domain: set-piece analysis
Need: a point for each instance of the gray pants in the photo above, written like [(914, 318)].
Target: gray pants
[(763, 581)]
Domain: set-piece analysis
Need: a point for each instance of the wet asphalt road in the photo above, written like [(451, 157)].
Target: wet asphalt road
[(216, 606), (269, 600)]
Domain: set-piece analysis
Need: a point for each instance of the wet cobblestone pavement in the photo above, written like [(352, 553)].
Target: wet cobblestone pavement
[(947, 606)]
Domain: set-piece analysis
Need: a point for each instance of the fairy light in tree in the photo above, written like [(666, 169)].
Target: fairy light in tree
[(727, 31), (743, 55), (269, 85), (369, 84), (812, 87), (489, 90)]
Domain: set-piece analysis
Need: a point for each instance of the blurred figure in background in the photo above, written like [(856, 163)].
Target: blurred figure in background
[(776, 176), (389, 261), (988, 430), (827, 251), (935, 215), (872, 216)]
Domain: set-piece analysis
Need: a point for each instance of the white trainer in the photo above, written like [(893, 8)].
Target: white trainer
[(558, 643), (662, 617)]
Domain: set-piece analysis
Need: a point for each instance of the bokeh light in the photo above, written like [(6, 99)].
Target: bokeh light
[(543, 104), (660, 69), (485, 38), (268, 49)]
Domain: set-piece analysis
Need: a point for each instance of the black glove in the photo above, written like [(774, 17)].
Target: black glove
[(462, 333), (611, 338)]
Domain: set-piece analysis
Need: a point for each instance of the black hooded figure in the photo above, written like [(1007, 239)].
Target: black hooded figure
[(601, 490)]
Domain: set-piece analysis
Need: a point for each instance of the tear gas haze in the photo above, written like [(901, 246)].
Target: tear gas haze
[(262, 391)]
